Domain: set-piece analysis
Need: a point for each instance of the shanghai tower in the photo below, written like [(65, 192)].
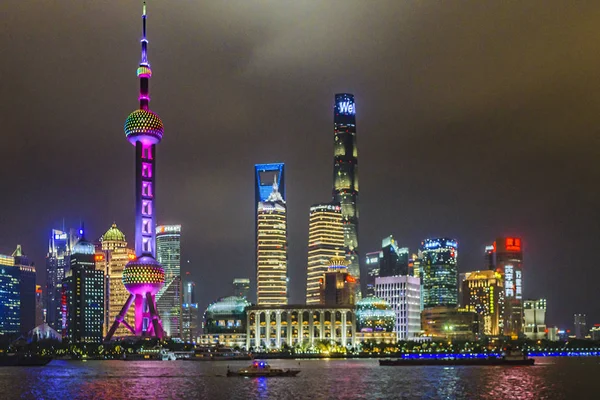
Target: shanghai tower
[(345, 175)]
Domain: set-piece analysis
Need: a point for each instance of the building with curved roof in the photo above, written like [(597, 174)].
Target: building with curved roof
[(226, 315), (374, 314)]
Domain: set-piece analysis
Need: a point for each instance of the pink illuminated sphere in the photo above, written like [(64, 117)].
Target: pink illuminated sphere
[(143, 275), (144, 126)]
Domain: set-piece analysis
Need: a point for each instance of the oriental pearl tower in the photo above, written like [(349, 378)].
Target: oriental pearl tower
[(144, 276)]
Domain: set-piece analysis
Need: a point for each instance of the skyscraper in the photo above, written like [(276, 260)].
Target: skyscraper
[(241, 287), (403, 293), (345, 174), (534, 319), (57, 265), (439, 272), (271, 249), (27, 280), (372, 264), (168, 299), (10, 298), (483, 293), (337, 286), (393, 259), (144, 276), (189, 314), (114, 245), (325, 241), (509, 262), (83, 294), (580, 326)]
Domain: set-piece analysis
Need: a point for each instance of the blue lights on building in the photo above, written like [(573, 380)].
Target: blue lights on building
[(264, 174), (10, 297)]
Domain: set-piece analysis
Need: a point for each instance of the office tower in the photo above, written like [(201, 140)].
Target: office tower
[(114, 245), (580, 326), (83, 296), (189, 313), (416, 267), (403, 293), (271, 249), (393, 260), (144, 276), (337, 286), (483, 293), (10, 297), (27, 287), (325, 241), (534, 319), (488, 257), (372, 264), (39, 306), (168, 299), (57, 265), (241, 287), (345, 174), (439, 272), (509, 261)]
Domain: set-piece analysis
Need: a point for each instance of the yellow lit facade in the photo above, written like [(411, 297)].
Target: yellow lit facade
[(271, 250), (483, 293), (117, 255), (325, 241)]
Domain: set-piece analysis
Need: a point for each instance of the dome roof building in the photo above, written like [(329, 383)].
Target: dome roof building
[(83, 247), (226, 315), (113, 239), (374, 315)]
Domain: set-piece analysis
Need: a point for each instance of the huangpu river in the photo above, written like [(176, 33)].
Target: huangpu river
[(550, 378)]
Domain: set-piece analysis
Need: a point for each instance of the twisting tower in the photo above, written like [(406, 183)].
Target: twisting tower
[(144, 276)]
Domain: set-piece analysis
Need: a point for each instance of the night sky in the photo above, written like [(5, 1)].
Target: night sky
[(474, 120)]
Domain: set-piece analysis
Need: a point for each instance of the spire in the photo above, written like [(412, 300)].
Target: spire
[(144, 60), (18, 252)]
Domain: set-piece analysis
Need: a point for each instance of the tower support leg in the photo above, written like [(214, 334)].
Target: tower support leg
[(120, 319), (158, 331)]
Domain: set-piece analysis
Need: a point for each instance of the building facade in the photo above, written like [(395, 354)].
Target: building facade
[(10, 296), (439, 272), (337, 286), (508, 257), (449, 323), (325, 241), (393, 259), (403, 293), (27, 290), (83, 296), (580, 326), (168, 299), (241, 287), (345, 174), (534, 323), (299, 325), (190, 319), (271, 249), (117, 255), (372, 266), (483, 293)]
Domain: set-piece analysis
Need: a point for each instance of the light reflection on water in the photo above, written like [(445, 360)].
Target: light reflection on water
[(550, 378)]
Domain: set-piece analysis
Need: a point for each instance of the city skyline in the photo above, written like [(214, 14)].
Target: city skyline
[(556, 225)]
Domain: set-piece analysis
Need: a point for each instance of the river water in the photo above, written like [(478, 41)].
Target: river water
[(550, 378)]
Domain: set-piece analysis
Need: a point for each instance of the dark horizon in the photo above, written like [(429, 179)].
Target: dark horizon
[(474, 121)]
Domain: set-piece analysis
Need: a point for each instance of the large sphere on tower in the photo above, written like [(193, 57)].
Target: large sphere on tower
[(143, 275), (144, 126)]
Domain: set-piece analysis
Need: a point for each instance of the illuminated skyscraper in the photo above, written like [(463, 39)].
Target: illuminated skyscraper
[(393, 259), (325, 241), (57, 265), (439, 272), (509, 262), (144, 276), (83, 296), (271, 249), (10, 298), (345, 174), (403, 293), (534, 317), (27, 291), (372, 264), (168, 299), (189, 313), (241, 287), (117, 256), (483, 293), (338, 287)]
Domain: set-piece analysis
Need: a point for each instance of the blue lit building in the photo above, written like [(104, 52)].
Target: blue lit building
[(27, 290), (264, 176), (10, 297), (439, 272), (83, 296)]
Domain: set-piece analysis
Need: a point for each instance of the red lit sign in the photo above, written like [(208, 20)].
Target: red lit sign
[(513, 244)]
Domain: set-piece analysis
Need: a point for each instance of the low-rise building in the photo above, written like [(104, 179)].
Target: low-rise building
[(449, 323)]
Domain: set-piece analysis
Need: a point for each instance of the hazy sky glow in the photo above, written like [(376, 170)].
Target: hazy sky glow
[(475, 120)]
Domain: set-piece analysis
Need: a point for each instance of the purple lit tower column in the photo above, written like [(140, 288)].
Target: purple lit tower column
[(144, 276)]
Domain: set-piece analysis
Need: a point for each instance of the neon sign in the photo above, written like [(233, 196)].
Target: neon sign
[(61, 236), (513, 244), (508, 280), (347, 107), (518, 284)]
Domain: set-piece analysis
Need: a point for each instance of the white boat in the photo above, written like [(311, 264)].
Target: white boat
[(167, 355)]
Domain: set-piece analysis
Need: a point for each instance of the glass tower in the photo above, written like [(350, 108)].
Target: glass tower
[(439, 272), (325, 241), (10, 296), (168, 299), (271, 249), (345, 175)]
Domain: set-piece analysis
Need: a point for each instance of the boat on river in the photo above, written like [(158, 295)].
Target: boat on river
[(262, 369), (23, 360), (508, 359)]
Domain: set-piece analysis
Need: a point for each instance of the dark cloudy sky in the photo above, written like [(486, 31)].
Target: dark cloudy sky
[(475, 120)]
